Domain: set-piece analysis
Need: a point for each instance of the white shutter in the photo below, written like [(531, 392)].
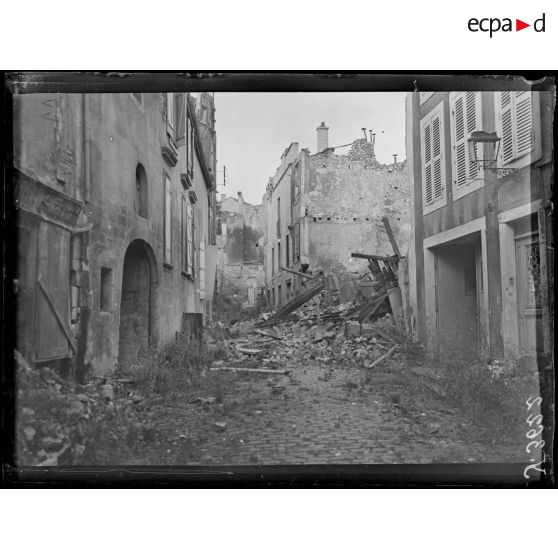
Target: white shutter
[(524, 129), (427, 162), (518, 121), (170, 113), (437, 158), (466, 118), (433, 174), (168, 248), (202, 270), (506, 115)]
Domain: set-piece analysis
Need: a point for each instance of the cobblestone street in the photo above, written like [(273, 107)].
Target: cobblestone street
[(312, 418)]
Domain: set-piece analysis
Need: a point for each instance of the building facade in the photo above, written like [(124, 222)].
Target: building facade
[(115, 196), (322, 207), (481, 255), (240, 249)]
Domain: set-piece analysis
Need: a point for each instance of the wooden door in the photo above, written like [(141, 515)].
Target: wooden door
[(52, 327), (529, 301)]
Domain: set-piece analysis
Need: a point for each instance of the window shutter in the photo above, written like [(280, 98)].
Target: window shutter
[(506, 112), (190, 249), (466, 116), (432, 163), (427, 163), (523, 123), (180, 119), (168, 249), (437, 158)]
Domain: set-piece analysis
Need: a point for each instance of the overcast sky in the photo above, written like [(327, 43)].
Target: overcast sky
[(253, 129)]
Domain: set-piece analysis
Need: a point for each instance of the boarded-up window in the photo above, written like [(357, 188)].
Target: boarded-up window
[(433, 173), (466, 118), (167, 222)]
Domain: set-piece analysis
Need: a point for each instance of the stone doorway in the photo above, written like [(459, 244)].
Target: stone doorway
[(137, 303)]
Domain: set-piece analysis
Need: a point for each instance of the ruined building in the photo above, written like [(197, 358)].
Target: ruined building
[(481, 256), (116, 225), (322, 207), (240, 242)]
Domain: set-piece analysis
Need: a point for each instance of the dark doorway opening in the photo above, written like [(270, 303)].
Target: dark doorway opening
[(136, 307)]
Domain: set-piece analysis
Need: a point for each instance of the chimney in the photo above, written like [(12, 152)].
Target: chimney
[(240, 198), (395, 158), (323, 142)]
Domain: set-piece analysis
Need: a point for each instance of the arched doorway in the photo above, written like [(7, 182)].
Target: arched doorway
[(136, 305)]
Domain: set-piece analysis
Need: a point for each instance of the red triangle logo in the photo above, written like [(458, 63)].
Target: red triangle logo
[(519, 25)]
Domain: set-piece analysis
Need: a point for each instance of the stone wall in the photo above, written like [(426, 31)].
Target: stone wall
[(240, 241)]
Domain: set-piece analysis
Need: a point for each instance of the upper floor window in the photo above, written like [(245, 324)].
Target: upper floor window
[(188, 245), (189, 144), (170, 114), (518, 126), (180, 127), (140, 201), (433, 160), (466, 117), (167, 238)]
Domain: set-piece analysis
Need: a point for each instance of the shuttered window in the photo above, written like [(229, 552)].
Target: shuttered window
[(465, 110), (170, 113), (190, 239), (518, 126), (433, 174), (167, 222)]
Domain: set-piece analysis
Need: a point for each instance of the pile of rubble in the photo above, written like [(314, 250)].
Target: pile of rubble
[(330, 335), (60, 422)]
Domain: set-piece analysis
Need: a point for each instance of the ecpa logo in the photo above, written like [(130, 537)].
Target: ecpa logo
[(494, 24)]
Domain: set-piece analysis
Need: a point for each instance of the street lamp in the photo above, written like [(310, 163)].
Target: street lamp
[(487, 138)]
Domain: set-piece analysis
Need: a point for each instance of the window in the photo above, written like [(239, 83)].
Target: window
[(465, 108), (296, 242), (106, 289), (272, 262), (189, 145), (518, 125), (188, 246), (140, 200), (278, 217), (180, 135), (287, 252), (167, 222), (278, 257), (170, 114), (432, 151)]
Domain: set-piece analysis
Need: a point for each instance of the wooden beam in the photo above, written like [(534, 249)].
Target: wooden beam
[(372, 257), (305, 275), (256, 370), (58, 315), (391, 237)]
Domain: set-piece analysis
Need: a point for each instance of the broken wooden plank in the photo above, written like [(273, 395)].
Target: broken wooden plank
[(297, 301), (64, 326), (289, 270), (265, 334), (246, 350), (372, 257), (257, 370), (371, 308), (383, 357), (391, 237)]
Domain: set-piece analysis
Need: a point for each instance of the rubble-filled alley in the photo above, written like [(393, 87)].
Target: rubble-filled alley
[(297, 392)]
